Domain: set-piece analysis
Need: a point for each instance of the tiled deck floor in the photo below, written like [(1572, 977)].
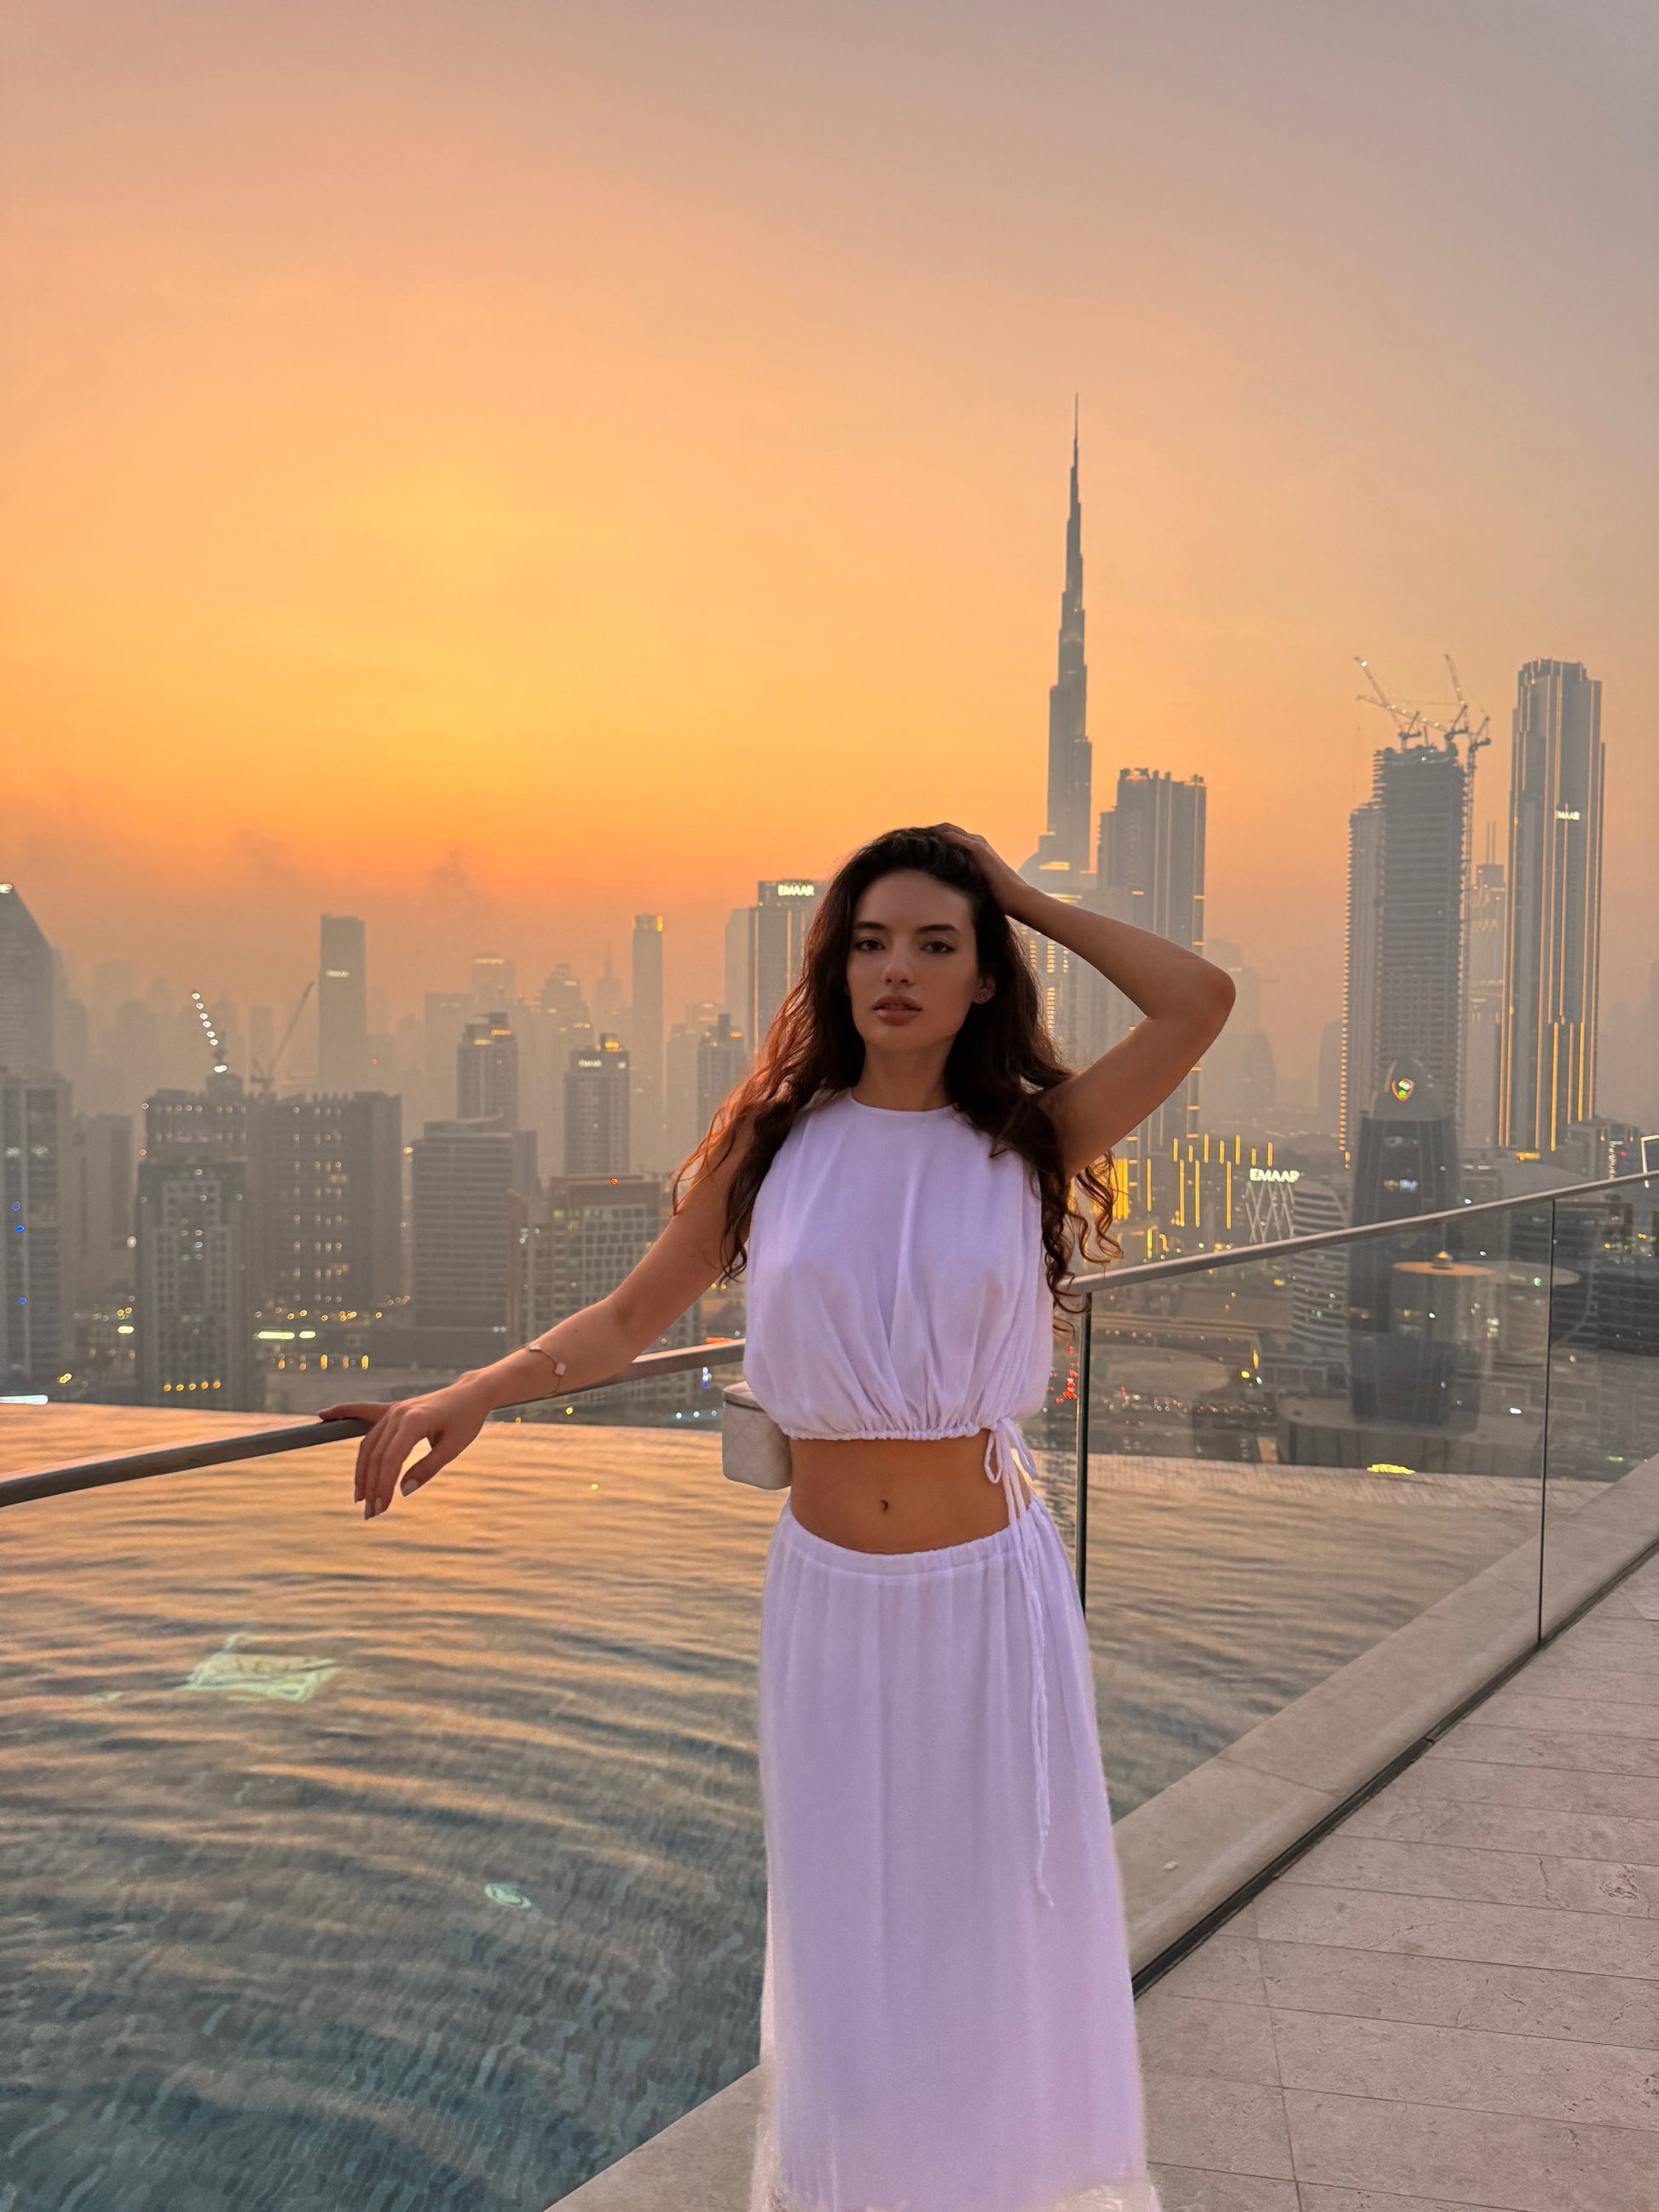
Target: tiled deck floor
[(1453, 2001)]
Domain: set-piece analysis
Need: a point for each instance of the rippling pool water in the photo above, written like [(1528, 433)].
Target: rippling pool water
[(416, 1866)]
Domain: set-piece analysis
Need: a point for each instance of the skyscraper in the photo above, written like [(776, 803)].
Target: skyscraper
[(461, 1173), (1151, 865), (611, 1009), (26, 1027), (1483, 1016), (324, 1186), (645, 1040), (764, 944), (1405, 981), (682, 1124), (495, 981), (342, 1005), (1420, 973), (574, 1240), (596, 1109), (722, 1062), (1547, 1068), (35, 1314), (487, 1073), (444, 1018), (1405, 1164), (1319, 1280), (193, 1303), (1328, 1098), (1359, 1067), (97, 1212), (578, 1236), (1071, 755), (547, 1033)]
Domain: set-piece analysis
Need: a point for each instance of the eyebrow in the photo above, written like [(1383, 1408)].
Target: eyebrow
[(921, 932)]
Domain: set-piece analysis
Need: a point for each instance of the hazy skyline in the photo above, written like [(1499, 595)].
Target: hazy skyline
[(496, 470)]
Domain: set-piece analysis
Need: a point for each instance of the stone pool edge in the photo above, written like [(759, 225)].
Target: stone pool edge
[(1188, 1851)]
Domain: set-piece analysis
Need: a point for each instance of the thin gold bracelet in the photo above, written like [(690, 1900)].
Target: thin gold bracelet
[(558, 1365)]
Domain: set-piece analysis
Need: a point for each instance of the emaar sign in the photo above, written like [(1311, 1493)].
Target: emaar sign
[(1275, 1175)]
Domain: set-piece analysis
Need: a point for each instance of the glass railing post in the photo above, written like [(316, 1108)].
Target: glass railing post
[(1086, 1332), (1544, 1418)]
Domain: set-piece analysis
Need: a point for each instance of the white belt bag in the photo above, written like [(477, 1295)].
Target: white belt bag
[(753, 1447)]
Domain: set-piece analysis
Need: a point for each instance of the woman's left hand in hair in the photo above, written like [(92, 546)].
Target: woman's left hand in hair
[(1010, 890)]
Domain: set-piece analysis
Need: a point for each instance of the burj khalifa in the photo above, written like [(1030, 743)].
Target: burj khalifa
[(1067, 839)]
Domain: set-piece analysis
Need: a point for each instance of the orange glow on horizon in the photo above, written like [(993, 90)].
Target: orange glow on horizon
[(505, 480)]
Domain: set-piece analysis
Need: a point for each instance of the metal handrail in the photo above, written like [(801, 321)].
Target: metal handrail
[(1242, 1256), (222, 1451), (261, 1443)]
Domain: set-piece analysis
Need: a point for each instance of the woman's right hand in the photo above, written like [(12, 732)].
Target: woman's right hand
[(446, 1420)]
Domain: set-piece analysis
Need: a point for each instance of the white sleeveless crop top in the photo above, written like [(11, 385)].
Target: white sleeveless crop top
[(896, 1278)]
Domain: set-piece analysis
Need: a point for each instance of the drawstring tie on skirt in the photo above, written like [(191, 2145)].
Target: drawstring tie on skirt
[(1007, 1456)]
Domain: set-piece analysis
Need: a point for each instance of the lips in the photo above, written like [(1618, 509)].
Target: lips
[(897, 1006)]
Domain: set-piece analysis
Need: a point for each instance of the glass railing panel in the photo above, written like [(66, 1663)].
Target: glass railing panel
[(1291, 1458), (1604, 1362), (1051, 1434), (416, 1864)]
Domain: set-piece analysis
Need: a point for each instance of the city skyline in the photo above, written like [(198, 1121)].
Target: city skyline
[(469, 550)]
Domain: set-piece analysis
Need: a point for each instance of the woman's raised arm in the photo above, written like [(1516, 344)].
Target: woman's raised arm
[(1185, 1000), (585, 1347)]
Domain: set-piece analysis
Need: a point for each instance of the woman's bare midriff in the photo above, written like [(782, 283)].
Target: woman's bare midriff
[(902, 1494)]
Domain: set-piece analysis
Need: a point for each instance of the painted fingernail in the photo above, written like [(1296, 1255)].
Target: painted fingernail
[(407, 1485)]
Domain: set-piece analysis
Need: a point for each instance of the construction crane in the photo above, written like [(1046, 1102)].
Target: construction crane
[(220, 1065), (264, 1079), (1475, 739), (1409, 722)]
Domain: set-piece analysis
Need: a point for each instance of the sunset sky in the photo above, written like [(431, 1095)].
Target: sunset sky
[(496, 467)]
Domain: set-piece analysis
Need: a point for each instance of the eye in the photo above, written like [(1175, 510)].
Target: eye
[(865, 943)]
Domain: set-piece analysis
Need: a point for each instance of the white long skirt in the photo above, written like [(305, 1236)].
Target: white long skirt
[(946, 2021)]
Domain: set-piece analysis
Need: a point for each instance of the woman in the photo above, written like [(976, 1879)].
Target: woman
[(946, 2021)]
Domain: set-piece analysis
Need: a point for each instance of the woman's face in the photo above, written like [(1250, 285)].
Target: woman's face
[(913, 968)]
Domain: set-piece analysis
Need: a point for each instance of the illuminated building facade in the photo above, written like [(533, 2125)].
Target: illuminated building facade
[(325, 1203), (487, 1072), (1405, 1164), (193, 1305), (1546, 1071), (597, 1105), (572, 1241), (1202, 1194)]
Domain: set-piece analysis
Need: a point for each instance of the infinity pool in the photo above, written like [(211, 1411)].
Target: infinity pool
[(416, 1866)]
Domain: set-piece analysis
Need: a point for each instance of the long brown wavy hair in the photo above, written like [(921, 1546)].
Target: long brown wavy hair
[(1001, 1061)]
